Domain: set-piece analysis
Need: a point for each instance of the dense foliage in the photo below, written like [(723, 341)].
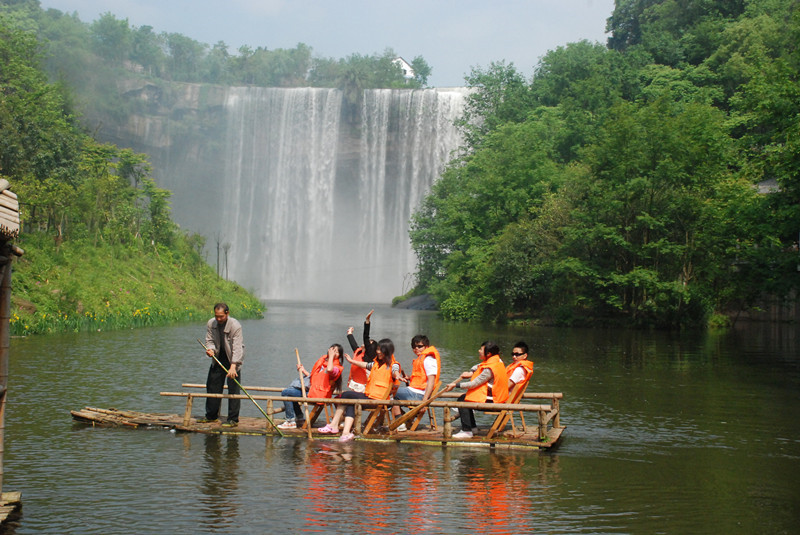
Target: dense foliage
[(619, 183), (102, 249), (86, 54)]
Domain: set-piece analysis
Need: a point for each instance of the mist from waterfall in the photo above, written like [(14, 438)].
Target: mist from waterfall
[(315, 206)]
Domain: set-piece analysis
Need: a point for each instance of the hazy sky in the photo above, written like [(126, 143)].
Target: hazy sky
[(452, 36)]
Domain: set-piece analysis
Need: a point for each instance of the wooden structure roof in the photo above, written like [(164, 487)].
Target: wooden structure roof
[(9, 212)]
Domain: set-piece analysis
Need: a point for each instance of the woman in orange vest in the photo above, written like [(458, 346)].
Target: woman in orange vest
[(366, 353), (324, 378), (490, 371), (357, 380), (425, 370), (521, 369), (379, 386)]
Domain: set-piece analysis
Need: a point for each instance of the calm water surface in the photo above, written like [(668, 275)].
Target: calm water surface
[(666, 433)]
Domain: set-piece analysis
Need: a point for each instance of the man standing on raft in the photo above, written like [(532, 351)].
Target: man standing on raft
[(223, 341)]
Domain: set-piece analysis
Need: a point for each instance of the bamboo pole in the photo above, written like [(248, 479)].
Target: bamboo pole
[(413, 412), (187, 413), (5, 314), (485, 407), (245, 391), (303, 391)]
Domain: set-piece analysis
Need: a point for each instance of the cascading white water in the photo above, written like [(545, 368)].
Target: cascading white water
[(407, 137), (316, 208), (278, 187)]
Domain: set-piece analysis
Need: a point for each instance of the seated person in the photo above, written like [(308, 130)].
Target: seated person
[(521, 369), (378, 386), (325, 377), (490, 370), (357, 379), (425, 370)]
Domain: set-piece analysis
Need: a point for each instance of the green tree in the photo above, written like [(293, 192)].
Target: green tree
[(36, 138), (500, 95), (111, 38), (147, 50), (421, 70), (184, 57)]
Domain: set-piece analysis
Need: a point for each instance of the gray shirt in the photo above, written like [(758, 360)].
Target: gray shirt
[(230, 336)]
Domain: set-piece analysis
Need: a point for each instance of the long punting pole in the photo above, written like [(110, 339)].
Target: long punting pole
[(275, 427), (303, 391)]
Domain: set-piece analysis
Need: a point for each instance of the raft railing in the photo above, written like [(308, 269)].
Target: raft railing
[(547, 415)]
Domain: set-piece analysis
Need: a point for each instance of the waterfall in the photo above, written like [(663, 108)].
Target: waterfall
[(315, 207)]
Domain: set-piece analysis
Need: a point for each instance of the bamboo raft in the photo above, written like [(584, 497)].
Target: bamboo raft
[(433, 426)]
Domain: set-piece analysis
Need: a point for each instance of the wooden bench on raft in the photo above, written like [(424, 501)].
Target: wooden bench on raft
[(547, 415), (505, 415)]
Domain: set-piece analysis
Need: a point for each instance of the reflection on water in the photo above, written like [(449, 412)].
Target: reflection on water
[(220, 479), (666, 433)]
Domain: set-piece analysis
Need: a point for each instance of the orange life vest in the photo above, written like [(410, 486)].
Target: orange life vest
[(527, 364), (379, 384), (419, 379), (322, 382), (479, 393), (357, 373)]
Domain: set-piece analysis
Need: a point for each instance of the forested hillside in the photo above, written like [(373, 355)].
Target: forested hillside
[(620, 182), (91, 57), (101, 248)]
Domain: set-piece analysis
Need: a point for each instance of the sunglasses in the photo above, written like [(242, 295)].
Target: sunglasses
[(419, 346), (517, 354)]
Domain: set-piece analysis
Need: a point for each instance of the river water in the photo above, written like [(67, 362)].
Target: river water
[(666, 433)]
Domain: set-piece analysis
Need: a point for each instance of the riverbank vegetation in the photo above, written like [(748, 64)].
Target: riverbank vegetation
[(653, 182), (101, 250)]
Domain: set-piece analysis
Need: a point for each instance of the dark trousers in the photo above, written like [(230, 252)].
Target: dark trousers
[(467, 416), (350, 410), (215, 385)]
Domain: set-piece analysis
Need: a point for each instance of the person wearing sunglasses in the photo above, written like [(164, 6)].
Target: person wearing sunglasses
[(425, 371), (521, 368)]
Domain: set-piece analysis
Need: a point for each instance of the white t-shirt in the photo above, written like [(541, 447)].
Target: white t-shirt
[(518, 375), (429, 364)]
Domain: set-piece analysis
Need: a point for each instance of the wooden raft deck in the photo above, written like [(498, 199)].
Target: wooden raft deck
[(10, 505), (545, 432)]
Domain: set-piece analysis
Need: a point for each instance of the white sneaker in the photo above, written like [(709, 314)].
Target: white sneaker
[(288, 424), (401, 428), (463, 434)]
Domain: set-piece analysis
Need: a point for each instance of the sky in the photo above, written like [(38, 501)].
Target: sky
[(452, 36)]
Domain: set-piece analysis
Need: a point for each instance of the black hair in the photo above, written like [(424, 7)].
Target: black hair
[(369, 350), (522, 345), (490, 348), (337, 385), (221, 306), (387, 350), (420, 338)]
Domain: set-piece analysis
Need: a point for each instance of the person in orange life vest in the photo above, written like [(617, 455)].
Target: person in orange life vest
[(370, 347), (490, 370), (378, 386), (357, 379), (425, 372), (521, 369), (325, 377)]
